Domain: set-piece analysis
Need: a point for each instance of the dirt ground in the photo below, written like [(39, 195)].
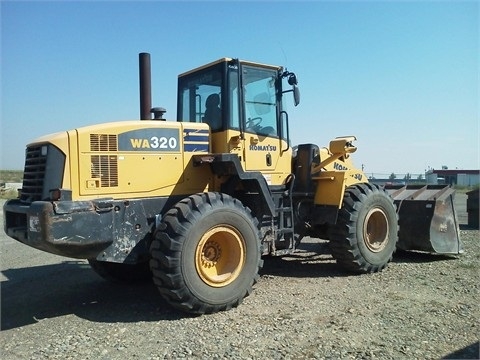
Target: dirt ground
[(421, 306)]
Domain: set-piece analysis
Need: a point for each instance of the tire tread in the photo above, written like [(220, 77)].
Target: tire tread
[(344, 242), (166, 250)]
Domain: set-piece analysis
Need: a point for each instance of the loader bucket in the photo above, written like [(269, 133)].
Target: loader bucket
[(427, 218)]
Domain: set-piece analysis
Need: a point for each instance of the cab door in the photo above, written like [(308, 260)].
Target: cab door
[(264, 150)]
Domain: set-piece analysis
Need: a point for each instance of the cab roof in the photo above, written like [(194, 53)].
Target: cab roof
[(226, 59)]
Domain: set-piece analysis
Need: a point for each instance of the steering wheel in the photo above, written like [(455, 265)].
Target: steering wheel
[(254, 122)]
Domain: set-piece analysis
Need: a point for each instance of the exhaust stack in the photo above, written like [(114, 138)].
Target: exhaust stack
[(145, 86)]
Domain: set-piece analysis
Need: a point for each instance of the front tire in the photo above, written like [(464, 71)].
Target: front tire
[(205, 255), (365, 236)]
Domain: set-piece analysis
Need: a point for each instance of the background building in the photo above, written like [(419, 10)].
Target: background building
[(453, 177)]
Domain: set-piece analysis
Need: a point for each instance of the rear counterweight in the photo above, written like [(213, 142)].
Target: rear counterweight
[(105, 229)]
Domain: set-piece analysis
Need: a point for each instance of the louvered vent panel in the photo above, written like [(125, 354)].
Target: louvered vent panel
[(105, 167), (103, 142)]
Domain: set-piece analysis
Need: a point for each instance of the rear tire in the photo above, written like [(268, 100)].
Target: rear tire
[(365, 236), (205, 255)]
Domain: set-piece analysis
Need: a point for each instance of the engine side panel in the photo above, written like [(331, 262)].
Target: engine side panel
[(145, 159)]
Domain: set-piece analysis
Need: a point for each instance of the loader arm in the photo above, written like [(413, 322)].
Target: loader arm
[(340, 147), (336, 172)]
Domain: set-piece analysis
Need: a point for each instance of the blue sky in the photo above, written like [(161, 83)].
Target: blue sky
[(401, 76)]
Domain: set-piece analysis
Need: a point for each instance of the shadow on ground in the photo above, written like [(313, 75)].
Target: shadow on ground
[(470, 352), (35, 293), (417, 257), (71, 287)]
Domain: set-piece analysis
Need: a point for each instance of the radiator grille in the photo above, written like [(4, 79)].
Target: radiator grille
[(34, 174)]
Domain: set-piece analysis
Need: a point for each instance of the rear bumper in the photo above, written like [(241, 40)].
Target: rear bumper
[(78, 229)]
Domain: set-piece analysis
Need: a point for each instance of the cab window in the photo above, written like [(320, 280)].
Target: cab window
[(260, 101), (200, 98)]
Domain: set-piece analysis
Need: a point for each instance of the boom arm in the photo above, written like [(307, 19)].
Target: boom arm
[(336, 172)]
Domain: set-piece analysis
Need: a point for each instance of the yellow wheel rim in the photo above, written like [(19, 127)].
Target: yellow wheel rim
[(220, 256), (375, 230)]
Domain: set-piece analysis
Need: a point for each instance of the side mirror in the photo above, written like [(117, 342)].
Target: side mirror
[(292, 79), (296, 95)]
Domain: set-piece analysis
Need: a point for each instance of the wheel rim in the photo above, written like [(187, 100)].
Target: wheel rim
[(220, 256), (375, 230)]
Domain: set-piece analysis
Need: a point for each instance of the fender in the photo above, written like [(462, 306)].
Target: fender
[(229, 165)]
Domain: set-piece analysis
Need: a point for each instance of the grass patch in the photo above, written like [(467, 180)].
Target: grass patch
[(9, 194), (11, 176), (465, 189)]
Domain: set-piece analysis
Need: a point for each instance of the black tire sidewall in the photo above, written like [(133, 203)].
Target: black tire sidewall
[(224, 215)]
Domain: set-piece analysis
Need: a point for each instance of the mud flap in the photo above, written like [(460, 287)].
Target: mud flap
[(427, 218)]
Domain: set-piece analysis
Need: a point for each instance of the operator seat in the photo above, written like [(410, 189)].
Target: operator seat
[(213, 114)]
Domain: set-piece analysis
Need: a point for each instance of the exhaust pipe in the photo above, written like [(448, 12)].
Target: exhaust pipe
[(145, 86)]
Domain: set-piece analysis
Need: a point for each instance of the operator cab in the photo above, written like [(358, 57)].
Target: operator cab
[(242, 103), (212, 91)]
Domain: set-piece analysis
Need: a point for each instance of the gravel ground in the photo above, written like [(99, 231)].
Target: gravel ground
[(421, 307)]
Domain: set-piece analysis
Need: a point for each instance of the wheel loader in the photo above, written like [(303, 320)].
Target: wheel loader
[(198, 202)]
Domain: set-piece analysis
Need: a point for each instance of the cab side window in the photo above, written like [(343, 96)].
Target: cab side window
[(213, 113), (201, 100)]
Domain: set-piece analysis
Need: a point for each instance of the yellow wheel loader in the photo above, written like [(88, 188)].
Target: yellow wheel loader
[(197, 202)]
